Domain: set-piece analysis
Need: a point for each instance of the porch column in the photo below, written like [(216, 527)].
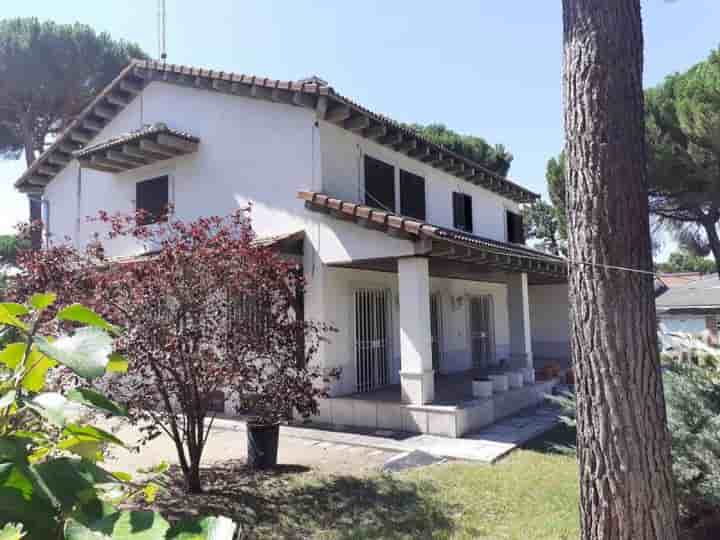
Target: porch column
[(416, 372), (519, 309)]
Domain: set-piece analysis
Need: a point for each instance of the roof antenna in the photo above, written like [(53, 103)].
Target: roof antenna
[(161, 30)]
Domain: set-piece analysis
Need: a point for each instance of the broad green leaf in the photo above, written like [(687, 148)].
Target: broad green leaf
[(90, 450), (81, 314), (135, 525), (17, 310), (94, 399), (12, 531), (9, 318), (86, 352), (38, 364), (7, 399), (42, 301), (122, 476), (117, 364), (38, 454), (209, 528), (72, 480), (91, 433), (22, 501), (150, 492), (12, 354), (52, 406)]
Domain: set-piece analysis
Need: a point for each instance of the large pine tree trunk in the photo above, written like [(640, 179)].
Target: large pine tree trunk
[(626, 485)]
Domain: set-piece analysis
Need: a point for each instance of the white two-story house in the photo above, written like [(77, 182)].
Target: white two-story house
[(415, 253)]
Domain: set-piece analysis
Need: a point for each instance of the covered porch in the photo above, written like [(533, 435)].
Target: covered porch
[(422, 327)]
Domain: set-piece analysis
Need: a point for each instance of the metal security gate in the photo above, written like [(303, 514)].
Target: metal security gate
[(371, 341), (436, 330), (481, 330)]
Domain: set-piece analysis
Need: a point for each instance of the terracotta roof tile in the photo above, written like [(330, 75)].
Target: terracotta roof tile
[(417, 228)]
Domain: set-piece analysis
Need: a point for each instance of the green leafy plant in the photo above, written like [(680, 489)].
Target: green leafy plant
[(52, 483)]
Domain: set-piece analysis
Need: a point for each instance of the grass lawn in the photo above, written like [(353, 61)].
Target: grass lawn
[(532, 494)]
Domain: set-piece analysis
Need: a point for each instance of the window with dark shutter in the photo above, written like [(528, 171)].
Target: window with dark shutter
[(515, 228), (379, 184), (412, 195), (462, 211), (152, 198)]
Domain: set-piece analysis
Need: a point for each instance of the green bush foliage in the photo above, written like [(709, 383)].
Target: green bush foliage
[(693, 406), (52, 483)]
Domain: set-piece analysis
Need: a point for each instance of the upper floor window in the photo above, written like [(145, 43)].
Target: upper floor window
[(152, 197), (515, 228), (412, 195), (462, 211), (379, 184)]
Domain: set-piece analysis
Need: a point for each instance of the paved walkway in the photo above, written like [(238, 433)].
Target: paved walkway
[(487, 445)]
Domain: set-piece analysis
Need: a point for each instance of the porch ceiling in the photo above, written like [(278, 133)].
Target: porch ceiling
[(452, 253)]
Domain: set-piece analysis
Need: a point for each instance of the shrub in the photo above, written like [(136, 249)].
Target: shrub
[(207, 310), (693, 405), (52, 484)]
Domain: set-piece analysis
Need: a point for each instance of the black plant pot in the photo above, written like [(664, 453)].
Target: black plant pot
[(262, 445)]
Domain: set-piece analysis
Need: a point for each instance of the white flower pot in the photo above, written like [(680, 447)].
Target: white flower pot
[(515, 379), (500, 382), (482, 389)]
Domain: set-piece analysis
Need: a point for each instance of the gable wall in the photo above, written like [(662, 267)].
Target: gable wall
[(343, 177), (250, 151)]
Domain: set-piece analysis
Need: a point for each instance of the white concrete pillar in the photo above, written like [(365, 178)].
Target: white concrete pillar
[(416, 373), (519, 310)]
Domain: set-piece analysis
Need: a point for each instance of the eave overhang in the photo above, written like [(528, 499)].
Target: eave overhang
[(314, 94), (444, 243), (136, 149)]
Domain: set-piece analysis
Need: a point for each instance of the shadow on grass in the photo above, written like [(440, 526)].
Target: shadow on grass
[(292, 502), (562, 440)]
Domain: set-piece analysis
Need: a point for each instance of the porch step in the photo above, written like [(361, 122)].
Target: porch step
[(448, 420)]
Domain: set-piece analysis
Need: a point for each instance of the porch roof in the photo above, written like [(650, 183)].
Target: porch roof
[(442, 243)]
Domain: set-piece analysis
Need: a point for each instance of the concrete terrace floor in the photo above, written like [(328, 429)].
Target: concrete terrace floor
[(450, 389)]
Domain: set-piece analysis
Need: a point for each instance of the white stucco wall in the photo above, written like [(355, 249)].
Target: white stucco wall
[(549, 321), (686, 323), (343, 177), (250, 151)]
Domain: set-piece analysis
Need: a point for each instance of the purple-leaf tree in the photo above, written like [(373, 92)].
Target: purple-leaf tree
[(206, 309)]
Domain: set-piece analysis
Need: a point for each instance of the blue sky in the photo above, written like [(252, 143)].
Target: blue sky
[(486, 67)]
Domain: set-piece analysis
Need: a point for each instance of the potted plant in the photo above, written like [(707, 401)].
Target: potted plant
[(279, 379), (482, 387)]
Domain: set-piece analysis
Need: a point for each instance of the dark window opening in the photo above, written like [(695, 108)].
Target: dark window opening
[(379, 184), (515, 228), (152, 199), (412, 195), (462, 212)]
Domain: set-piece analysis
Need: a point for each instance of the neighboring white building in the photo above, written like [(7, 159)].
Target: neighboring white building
[(690, 305), (413, 252)]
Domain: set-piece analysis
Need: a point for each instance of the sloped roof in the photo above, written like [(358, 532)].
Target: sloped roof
[(312, 93), (702, 293), (451, 244)]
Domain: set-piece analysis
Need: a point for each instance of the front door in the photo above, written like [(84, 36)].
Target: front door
[(371, 341), (481, 330)]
